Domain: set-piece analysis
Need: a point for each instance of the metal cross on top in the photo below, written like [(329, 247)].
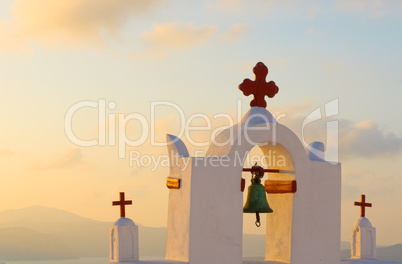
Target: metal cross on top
[(259, 88), (363, 205), (122, 204)]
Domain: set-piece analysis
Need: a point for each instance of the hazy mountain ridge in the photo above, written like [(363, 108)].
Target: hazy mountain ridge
[(47, 233), (20, 243), (64, 235), (41, 214), (79, 236)]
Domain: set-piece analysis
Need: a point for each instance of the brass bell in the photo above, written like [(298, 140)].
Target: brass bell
[(257, 198)]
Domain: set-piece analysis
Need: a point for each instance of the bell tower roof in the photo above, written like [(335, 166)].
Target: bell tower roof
[(254, 117), (257, 115), (363, 222), (123, 221)]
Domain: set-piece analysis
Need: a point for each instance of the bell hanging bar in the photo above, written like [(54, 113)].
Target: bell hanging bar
[(271, 170)]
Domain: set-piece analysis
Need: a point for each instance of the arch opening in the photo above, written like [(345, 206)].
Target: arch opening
[(271, 241)]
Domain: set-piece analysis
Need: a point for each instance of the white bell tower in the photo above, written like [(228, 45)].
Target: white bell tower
[(363, 235), (123, 237)]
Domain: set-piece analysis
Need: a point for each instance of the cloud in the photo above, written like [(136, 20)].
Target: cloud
[(309, 9), (6, 152), (239, 6), (71, 158), (366, 139), (236, 31), (360, 180), (175, 36), (72, 22), (11, 39), (294, 114), (263, 8), (374, 8)]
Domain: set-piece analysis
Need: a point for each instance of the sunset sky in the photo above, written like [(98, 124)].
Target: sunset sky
[(193, 54)]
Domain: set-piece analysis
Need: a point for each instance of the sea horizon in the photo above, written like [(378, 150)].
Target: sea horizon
[(93, 260)]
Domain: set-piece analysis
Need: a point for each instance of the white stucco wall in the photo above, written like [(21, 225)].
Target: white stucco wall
[(178, 225), (316, 214)]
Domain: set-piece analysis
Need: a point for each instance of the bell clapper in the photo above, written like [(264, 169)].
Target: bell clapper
[(257, 223)]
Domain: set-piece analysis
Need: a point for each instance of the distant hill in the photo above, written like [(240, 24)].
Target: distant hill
[(82, 236), (392, 253), (20, 243), (47, 233), (68, 235), (345, 245), (40, 214)]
